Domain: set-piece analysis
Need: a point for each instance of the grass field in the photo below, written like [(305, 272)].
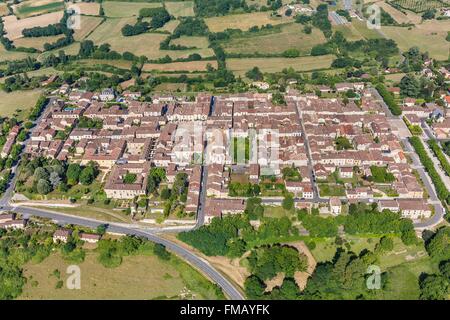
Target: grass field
[(428, 36), (138, 277), (180, 9), (109, 32), (170, 26), (14, 27), (361, 28), (180, 66), (37, 7), (198, 42), (22, 100), (71, 49), (290, 37), (36, 42), (87, 26), (241, 66), (404, 264), (118, 9), (12, 55), (243, 21)]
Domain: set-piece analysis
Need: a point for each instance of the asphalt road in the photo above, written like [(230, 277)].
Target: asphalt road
[(202, 265)]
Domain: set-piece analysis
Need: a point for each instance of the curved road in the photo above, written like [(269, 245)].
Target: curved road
[(193, 259)]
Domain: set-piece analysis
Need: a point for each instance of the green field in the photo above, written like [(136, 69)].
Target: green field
[(32, 8), (290, 37), (117, 9), (241, 66), (138, 277), (403, 265), (243, 21), (428, 36), (18, 100), (146, 44)]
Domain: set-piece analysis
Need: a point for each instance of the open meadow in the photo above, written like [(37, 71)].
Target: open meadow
[(133, 279), (87, 26), (243, 21), (309, 63), (22, 100), (117, 9), (290, 37), (146, 44), (36, 42), (428, 36)]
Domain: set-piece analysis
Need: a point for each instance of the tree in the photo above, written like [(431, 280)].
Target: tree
[(236, 248), (434, 287), (255, 74), (40, 173), (409, 86), (288, 202), (43, 186), (386, 244), (439, 246), (160, 251), (73, 173), (254, 287), (54, 179), (87, 175)]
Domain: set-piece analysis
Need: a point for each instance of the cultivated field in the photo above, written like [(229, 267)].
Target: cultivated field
[(180, 66), (36, 42), (125, 9), (13, 55), (71, 49), (418, 5), (37, 7), (241, 66), (14, 27), (88, 8), (243, 21), (23, 100), (291, 36), (87, 26), (3, 9), (198, 42), (130, 280), (400, 17), (170, 26), (180, 9), (428, 36)]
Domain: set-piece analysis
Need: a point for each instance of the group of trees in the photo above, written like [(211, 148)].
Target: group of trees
[(48, 175), (318, 226), (237, 189), (265, 263), (441, 188), (381, 175), (90, 123), (291, 174), (208, 8), (437, 286), (366, 219), (434, 145), (389, 99), (138, 28), (159, 16)]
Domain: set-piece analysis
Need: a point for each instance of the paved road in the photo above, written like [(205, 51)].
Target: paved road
[(184, 253), (149, 233)]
